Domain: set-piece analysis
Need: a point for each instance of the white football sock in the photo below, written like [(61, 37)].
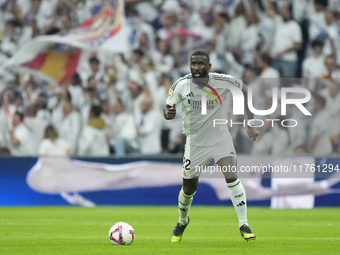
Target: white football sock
[(238, 197), (184, 203)]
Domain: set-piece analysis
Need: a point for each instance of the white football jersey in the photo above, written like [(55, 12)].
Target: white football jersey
[(198, 127)]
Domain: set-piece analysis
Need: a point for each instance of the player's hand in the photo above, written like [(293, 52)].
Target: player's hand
[(169, 112), (252, 133)]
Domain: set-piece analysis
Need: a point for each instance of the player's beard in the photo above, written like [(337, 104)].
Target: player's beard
[(203, 74)]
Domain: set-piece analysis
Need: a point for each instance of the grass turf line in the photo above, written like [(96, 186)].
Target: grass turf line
[(212, 230)]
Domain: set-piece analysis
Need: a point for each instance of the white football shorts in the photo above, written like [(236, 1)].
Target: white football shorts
[(197, 157)]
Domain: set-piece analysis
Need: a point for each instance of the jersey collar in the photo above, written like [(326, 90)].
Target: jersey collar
[(209, 81)]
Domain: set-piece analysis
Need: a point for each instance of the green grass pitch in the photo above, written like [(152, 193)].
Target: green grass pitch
[(212, 230)]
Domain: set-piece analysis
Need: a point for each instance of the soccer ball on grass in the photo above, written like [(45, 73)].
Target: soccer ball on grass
[(121, 233)]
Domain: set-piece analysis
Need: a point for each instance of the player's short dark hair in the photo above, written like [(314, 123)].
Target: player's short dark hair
[(96, 110), (21, 116), (265, 57), (320, 100), (317, 43), (94, 60), (201, 53)]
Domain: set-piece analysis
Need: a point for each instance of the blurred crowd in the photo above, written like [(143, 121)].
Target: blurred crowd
[(113, 104)]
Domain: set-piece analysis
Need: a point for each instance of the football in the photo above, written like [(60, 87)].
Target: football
[(121, 233)]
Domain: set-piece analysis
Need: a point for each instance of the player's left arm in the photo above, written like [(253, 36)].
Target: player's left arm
[(251, 131)]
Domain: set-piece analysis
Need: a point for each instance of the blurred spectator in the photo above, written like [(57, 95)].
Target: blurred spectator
[(91, 97), (314, 65), (56, 105), (124, 139), (222, 31), (60, 13), (263, 144), (263, 63), (249, 38), (92, 140), (11, 38), (106, 114), (237, 26), (206, 28), (52, 145), (218, 65), (330, 70), (36, 126), (149, 128), (136, 64), (288, 39), (137, 95), (162, 59), (70, 126), (12, 103), (138, 27), (99, 74), (332, 44), (20, 142), (76, 91), (316, 15), (169, 19), (281, 143), (259, 87), (32, 90), (332, 97), (43, 113), (320, 141)]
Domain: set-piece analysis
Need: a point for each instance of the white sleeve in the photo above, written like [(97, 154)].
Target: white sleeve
[(174, 97)]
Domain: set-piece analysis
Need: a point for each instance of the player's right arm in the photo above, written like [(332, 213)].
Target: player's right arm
[(173, 98), (169, 112)]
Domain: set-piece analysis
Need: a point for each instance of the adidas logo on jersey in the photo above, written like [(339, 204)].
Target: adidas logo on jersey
[(190, 94), (241, 204)]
